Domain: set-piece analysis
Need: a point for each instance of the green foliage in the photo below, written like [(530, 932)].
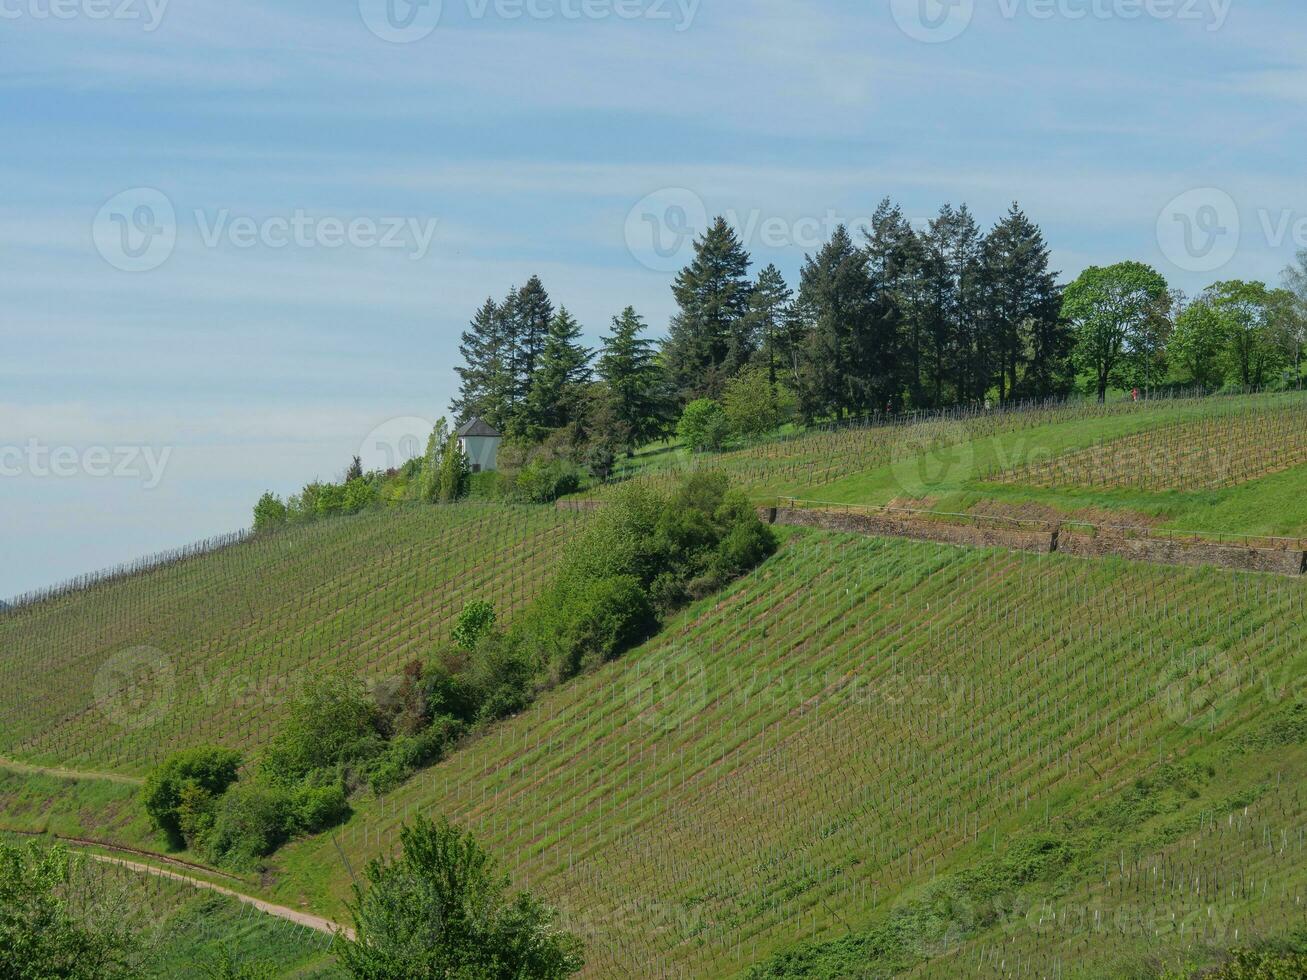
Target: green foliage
[(1197, 343), (475, 621), (331, 722), (252, 821), (442, 909), (455, 473), (633, 386), (181, 793), (755, 404), (269, 513), (704, 426), (1265, 964), (41, 936), (224, 966), (358, 493), (543, 482), (1109, 309)]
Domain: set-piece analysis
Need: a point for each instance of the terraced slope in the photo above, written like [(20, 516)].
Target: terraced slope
[(844, 726), (207, 650)]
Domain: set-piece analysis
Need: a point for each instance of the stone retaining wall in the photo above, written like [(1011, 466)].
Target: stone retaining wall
[(1160, 551), (1164, 551), (1040, 542)]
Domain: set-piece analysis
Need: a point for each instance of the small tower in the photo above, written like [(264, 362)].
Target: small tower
[(480, 442)]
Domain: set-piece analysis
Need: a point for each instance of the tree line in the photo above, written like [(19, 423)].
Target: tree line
[(888, 318)]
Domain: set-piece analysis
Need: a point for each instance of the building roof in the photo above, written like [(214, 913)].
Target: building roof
[(477, 427)]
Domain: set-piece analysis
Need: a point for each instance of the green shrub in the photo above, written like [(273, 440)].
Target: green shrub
[(252, 821), (330, 501), (503, 672), (406, 754), (704, 426), (317, 808), (331, 722), (39, 934), (755, 405), (269, 513), (592, 622), (357, 494), (451, 695), (441, 909), (181, 793), (474, 622), (543, 482)]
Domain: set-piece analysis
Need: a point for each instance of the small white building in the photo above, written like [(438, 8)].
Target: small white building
[(480, 442)]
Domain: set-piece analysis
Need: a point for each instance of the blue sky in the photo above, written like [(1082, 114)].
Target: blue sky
[(539, 137)]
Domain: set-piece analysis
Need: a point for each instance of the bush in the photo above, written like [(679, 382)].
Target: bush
[(593, 622), (39, 934), (269, 513), (406, 754), (181, 793), (755, 406), (332, 722), (441, 909), (317, 808), (503, 674), (703, 426), (474, 622), (252, 821), (357, 494), (543, 482)]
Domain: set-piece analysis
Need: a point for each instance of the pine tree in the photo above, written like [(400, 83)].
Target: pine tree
[(769, 309), (894, 261), (710, 338), (952, 281), (560, 377), (848, 355), (483, 376), (1023, 311), (630, 370), (534, 313)]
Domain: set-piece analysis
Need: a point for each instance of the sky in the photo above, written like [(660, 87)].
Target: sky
[(239, 241)]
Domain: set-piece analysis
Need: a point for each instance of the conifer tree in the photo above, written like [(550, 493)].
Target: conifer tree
[(483, 375), (894, 261), (634, 379), (562, 372), (710, 337), (1023, 310), (769, 309)]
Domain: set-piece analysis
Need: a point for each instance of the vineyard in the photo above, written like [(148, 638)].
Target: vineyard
[(208, 649), (1212, 453), (831, 768), (844, 726)]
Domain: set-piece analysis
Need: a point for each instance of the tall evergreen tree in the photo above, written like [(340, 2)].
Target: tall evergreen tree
[(484, 388), (849, 361), (534, 316), (1023, 310), (710, 337), (895, 261), (634, 378), (561, 374), (769, 308), (950, 285)]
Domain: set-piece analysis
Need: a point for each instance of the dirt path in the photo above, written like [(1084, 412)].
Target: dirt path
[(111, 777), (317, 923)]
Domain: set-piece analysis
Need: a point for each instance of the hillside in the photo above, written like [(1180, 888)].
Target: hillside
[(210, 648), (870, 756)]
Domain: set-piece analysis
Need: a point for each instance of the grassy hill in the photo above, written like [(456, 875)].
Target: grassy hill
[(209, 649), (868, 757)]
